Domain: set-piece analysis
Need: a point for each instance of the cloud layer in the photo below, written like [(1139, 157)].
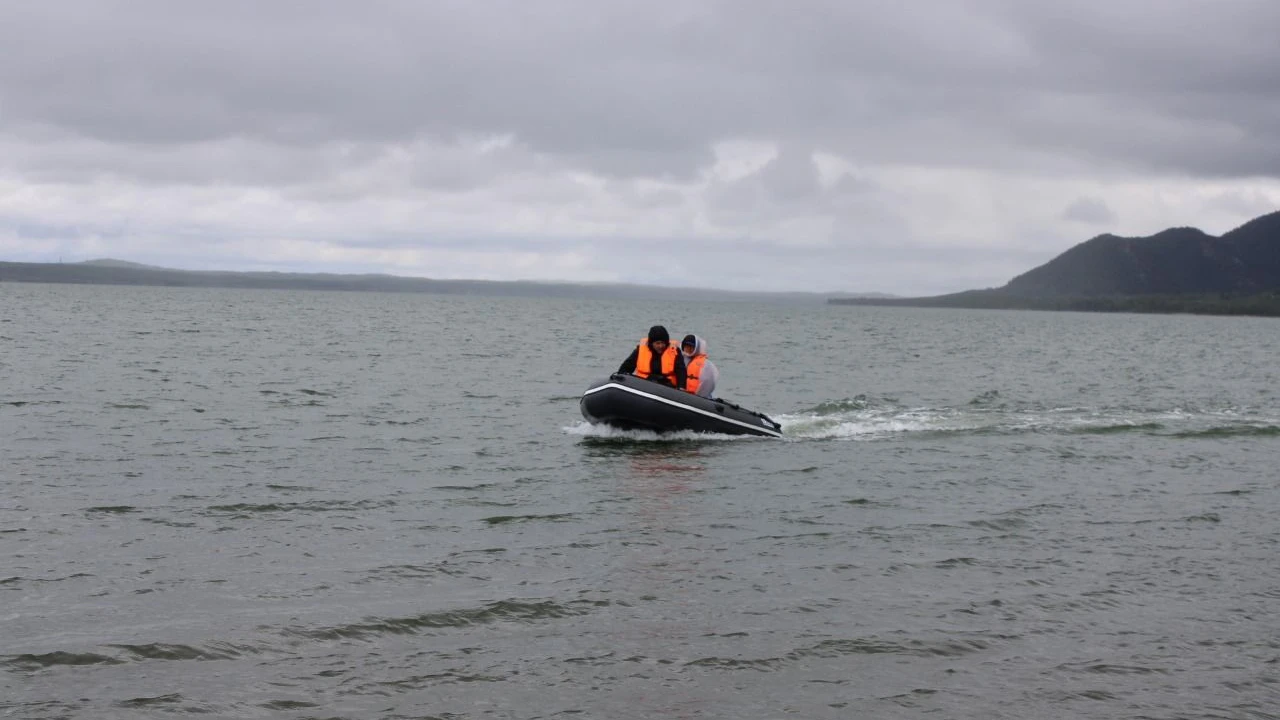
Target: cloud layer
[(871, 146)]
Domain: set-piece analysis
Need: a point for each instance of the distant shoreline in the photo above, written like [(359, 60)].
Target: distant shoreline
[(117, 272), (1265, 304)]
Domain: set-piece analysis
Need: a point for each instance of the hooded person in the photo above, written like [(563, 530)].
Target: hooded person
[(656, 359), (702, 373)]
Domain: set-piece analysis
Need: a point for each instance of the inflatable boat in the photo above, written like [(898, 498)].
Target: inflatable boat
[(630, 403)]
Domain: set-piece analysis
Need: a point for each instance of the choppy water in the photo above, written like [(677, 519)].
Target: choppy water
[(310, 505)]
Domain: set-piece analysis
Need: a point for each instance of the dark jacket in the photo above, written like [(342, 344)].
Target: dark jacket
[(655, 370)]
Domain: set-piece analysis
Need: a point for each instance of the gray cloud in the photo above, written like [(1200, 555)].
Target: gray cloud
[(563, 119), (787, 180), (1089, 210), (622, 87)]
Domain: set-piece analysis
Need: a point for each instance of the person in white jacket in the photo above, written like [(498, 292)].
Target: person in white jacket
[(702, 374)]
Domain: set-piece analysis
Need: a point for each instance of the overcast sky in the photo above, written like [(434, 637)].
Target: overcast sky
[(851, 145)]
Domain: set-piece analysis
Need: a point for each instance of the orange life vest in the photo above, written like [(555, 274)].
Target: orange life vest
[(693, 372), (644, 362)]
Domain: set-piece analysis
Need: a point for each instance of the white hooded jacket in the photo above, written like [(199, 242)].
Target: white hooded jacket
[(710, 373)]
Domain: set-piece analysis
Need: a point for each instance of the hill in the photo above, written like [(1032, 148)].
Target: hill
[(1176, 261), (1176, 270)]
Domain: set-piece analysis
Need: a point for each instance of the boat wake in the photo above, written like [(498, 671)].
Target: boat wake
[(869, 419), (865, 418)]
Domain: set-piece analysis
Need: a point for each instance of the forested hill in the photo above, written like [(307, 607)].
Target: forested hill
[(1176, 261), (1178, 270)]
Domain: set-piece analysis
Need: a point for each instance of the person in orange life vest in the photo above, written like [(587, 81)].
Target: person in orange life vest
[(656, 359), (702, 373)]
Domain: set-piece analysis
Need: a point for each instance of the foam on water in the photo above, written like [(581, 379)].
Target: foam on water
[(861, 425), (849, 420), (863, 421), (588, 430)]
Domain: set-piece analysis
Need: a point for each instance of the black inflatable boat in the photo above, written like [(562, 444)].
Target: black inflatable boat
[(630, 403)]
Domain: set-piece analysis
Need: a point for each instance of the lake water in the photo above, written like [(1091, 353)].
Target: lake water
[(321, 505)]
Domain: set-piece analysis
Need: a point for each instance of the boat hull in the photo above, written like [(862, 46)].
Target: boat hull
[(630, 403)]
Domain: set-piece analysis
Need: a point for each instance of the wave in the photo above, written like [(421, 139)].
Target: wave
[(861, 402), (164, 651), (1122, 428), (518, 611), (504, 519), (32, 662), (112, 509), (153, 701), (829, 649), (120, 654), (1227, 431), (23, 403), (247, 509)]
